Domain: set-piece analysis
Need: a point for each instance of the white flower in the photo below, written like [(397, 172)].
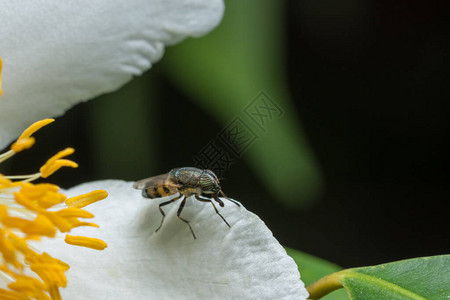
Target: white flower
[(241, 262), (58, 53), (234, 255)]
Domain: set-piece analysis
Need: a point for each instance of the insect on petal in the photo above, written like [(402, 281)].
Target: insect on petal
[(241, 262)]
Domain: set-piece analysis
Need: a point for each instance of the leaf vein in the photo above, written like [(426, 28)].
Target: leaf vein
[(389, 285)]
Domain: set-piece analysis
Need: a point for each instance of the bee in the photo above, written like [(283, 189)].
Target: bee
[(187, 181)]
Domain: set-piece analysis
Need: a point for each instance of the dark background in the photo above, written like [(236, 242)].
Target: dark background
[(370, 84), (375, 105)]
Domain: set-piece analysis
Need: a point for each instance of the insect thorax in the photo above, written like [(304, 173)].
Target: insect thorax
[(196, 180)]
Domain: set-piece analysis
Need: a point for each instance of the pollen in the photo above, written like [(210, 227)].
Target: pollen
[(86, 242), (25, 140), (86, 199), (55, 163), (31, 212)]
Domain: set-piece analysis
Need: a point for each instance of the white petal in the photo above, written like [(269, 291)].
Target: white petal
[(244, 262), (58, 53)]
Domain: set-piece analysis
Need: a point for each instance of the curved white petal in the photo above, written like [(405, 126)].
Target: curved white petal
[(244, 262), (58, 53)]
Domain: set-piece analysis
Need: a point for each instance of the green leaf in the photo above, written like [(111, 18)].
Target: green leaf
[(412, 279), (226, 70), (313, 268), (419, 278)]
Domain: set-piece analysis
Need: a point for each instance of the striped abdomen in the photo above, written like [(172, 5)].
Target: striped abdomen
[(157, 186), (159, 191)]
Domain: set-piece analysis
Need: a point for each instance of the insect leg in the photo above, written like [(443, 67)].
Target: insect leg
[(215, 208), (180, 209), (235, 202), (218, 201), (162, 212)]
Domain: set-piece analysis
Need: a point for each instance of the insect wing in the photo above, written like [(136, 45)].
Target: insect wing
[(150, 182)]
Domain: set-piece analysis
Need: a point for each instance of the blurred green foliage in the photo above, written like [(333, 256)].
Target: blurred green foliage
[(129, 113), (222, 73), (313, 268)]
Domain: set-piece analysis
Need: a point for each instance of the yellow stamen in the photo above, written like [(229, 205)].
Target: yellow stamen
[(19, 244), (51, 273), (34, 127), (54, 293), (46, 195), (85, 242), (4, 180), (29, 286), (7, 250), (60, 222), (78, 224), (11, 295), (25, 201), (22, 144), (40, 226), (86, 199), (49, 269), (73, 212), (25, 216), (55, 163), (3, 212), (37, 190), (49, 266), (25, 140), (51, 199)]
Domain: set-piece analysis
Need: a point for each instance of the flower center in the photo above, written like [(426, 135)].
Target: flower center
[(30, 212)]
